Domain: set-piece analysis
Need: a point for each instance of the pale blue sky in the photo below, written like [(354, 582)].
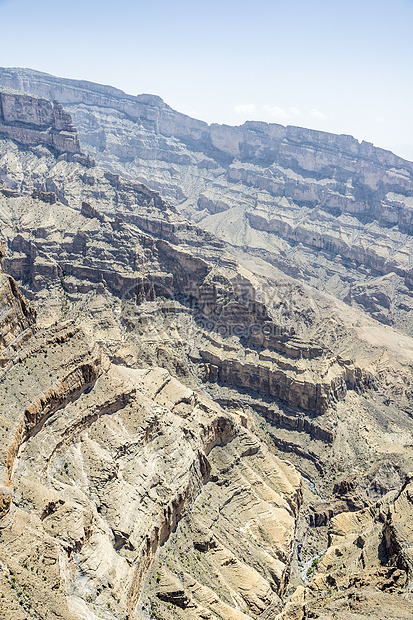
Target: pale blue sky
[(345, 67)]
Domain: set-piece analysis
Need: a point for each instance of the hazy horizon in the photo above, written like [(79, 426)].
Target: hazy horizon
[(340, 69)]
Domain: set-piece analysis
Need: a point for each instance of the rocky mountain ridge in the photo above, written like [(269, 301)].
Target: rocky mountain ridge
[(101, 460), (325, 208), (147, 412)]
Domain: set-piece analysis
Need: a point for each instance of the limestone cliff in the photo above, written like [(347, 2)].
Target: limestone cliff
[(99, 462), (35, 121), (326, 208), (147, 416)]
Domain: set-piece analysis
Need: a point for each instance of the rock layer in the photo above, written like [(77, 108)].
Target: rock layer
[(32, 120), (327, 208), (143, 250), (144, 417)]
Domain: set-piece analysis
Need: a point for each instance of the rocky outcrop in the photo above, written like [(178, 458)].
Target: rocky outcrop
[(17, 324), (365, 567), (150, 109), (284, 378), (119, 459), (222, 509), (398, 531), (17, 320), (326, 208), (33, 121), (24, 416), (146, 419), (77, 492)]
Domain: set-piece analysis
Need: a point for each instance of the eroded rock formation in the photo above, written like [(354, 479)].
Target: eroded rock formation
[(32, 120), (326, 208), (148, 411)]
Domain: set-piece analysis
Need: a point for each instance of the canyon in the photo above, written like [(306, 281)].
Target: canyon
[(195, 425), (324, 208)]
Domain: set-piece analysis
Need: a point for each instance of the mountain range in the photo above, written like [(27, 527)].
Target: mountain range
[(206, 364)]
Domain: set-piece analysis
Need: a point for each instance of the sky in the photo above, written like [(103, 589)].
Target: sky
[(343, 67)]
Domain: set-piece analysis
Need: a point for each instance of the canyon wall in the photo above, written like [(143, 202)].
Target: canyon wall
[(331, 210), (36, 121), (159, 397)]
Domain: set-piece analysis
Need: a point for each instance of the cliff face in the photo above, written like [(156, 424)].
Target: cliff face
[(325, 208), (147, 414), (82, 249), (34, 121), (18, 317), (100, 460)]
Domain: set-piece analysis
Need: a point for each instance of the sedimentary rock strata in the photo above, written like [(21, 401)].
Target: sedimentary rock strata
[(148, 409), (326, 208), (33, 120), (103, 461)]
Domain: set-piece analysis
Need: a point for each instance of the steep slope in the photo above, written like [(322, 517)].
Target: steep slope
[(147, 417), (325, 208), (100, 461), (32, 120)]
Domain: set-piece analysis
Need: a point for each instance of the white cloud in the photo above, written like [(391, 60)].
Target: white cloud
[(284, 114), (245, 108), (317, 114)]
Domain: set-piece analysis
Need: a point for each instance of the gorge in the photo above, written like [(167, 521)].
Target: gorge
[(206, 364)]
